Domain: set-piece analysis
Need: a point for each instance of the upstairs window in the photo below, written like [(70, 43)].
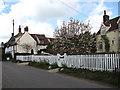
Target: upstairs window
[(103, 31), (41, 41), (100, 45), (113, 42)]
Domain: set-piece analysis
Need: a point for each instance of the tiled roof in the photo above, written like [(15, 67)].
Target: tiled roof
[(39, 37), (11, 41), (112, 23), (51, 38)]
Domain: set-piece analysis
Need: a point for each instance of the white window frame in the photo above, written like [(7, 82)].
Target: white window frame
[(103, 31)]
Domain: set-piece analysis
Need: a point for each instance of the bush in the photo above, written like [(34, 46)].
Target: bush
[(5, 56), (13, 60), (53, 66), (16, 61), (41, 64)]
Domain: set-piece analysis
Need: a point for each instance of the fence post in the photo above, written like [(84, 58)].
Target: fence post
[(101, 62), (118, 61)]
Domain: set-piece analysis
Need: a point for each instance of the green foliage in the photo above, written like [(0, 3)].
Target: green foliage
[(53, 66), (107, 77), (64, 66), (17, 61), (41, 64), (5, 56), (107, 44), (50, 45), (13, 60)]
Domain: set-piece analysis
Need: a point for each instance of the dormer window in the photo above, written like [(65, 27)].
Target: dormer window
[(37, 39), (41, 41), (103, 31)]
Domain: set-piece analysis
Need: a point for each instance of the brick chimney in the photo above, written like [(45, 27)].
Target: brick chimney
[(105, 17), (19, 29), (26, 29), (12, 34)]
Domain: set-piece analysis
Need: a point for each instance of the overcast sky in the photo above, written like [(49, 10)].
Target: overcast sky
[(44, 16)]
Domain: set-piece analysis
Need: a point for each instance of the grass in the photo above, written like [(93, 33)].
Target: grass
[(16, 61), (53, 66), (107, 77), (43, 65)]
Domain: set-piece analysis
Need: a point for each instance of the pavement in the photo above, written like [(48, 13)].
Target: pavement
[(25, 63), (23, 76)]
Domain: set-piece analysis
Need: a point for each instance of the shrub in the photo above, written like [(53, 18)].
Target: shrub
[(53, 66), (41, 64), (13, 60), (5, 56)]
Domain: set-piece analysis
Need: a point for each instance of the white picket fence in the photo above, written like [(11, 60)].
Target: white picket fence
[(102, 62)]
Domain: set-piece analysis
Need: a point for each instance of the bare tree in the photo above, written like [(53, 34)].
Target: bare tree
[(26, 47), (74, 37)]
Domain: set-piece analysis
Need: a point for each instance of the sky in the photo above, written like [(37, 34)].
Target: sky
[(44, 16)]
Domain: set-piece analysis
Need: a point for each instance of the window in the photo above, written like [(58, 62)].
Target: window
[(103, 31), (113, 42), (37, 39), (100, 45), (41, 41)]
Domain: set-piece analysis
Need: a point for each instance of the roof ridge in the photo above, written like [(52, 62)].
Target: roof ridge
[(115, 18), (37, 34)]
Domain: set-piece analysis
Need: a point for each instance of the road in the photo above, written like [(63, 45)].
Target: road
[(19, 76)]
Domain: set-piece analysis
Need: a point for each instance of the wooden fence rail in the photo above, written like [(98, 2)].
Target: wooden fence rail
[(102, 62)]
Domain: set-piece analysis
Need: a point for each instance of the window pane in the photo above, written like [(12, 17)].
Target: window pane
[(100, 45), (113, 42)]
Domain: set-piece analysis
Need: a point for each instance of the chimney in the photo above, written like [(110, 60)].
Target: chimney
[(19, 29), (12, 34), (26, 29), (104, 12), (105, 17)]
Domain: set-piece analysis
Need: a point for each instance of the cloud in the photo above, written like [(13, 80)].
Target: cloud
[(35, 14), (1, 6), (10, 1), (38, 15), (40, 28), (43, 10), (59, 23), (96, 16)]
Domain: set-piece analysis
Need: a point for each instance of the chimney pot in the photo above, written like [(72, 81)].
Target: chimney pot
[(19, 28), (12, 34), (104, 12), (26, 29)]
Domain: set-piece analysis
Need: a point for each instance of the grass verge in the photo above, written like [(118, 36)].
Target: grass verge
[(107, 77), (43, 65), (16, 61)]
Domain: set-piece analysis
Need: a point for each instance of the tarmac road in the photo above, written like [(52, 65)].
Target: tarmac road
[(20, 76)]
